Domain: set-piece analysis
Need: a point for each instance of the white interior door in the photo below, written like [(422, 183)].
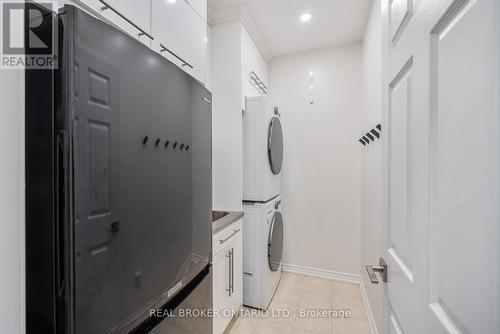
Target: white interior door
[(441, 74)]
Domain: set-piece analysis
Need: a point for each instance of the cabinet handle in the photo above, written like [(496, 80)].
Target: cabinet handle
[(224, 240), (108, 6), (184, 63), (229, 256), (232, 270)]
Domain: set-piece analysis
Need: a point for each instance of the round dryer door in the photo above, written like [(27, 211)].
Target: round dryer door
[(275, 145), (275, 243)]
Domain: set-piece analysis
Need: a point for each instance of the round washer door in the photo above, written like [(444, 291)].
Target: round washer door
[(275, 243), (275, 145)]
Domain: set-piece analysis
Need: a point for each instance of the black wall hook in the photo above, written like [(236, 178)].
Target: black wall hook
[(370, 135), (157, 142), (145, 140), (175, 145), (166, 143), (182, 146), (187, 148)]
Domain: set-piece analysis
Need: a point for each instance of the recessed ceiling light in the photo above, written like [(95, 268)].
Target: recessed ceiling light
[(306, 17), (171, 1)]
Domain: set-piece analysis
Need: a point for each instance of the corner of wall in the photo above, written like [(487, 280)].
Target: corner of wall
[(372, 206)]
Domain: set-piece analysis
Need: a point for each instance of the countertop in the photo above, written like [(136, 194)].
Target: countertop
[(229, 218)]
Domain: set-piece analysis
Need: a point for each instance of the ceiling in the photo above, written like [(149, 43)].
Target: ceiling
[(334, 22)]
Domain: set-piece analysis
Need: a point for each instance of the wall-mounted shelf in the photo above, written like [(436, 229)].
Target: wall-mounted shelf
[(258, 83)]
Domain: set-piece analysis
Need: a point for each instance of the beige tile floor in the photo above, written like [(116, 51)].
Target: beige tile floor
[(297, 293)]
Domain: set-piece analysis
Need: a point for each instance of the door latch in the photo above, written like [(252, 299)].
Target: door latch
[(381, 268)]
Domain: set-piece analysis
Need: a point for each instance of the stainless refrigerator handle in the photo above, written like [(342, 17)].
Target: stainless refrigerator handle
[(184, 63), (60, 183), (108, 6), (229, 272)]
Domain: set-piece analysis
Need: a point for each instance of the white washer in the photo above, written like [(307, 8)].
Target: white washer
[(262, 150), (262, 251)]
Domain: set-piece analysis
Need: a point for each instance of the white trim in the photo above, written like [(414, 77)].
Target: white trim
[(368, 308), (401, 264), (395, 324), (222, 16), (323, 273), (445, 320)]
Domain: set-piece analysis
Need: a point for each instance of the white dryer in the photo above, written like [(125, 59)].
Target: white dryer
[(262, 150), (262, 251)]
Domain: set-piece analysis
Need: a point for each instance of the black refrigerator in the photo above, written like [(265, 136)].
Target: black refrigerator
[(118, 186)]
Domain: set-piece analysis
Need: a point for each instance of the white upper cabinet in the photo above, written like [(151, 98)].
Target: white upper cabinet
[(177, 29), (138, 11), (119, 11), (183, 32), (252, 61), (200, 6)]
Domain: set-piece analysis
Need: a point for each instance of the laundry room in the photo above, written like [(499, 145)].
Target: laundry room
[(250, 166), (300, 164)]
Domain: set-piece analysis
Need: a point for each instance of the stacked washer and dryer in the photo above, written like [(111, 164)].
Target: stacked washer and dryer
[(263, 222)]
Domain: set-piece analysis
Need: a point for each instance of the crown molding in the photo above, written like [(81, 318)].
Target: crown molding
[(218, 17)]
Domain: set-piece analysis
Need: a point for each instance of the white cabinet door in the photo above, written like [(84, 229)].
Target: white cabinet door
[(167, 19), (252, 59), (221, 288), (237, 273), (200, 6), (137, 11), (248, 88), (181, 30), (228, 277)]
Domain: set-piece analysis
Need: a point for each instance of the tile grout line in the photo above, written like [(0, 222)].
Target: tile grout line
[(299, 279)]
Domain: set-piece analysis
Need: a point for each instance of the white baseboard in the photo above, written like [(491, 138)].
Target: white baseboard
[(323, 273), (368, 308), (337, 276)]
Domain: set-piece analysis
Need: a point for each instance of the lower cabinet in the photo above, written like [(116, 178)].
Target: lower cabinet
[(227, 279)]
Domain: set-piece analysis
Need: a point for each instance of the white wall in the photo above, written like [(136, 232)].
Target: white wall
[(12, 306), (227, 118), (322, 162), (372, 161)]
